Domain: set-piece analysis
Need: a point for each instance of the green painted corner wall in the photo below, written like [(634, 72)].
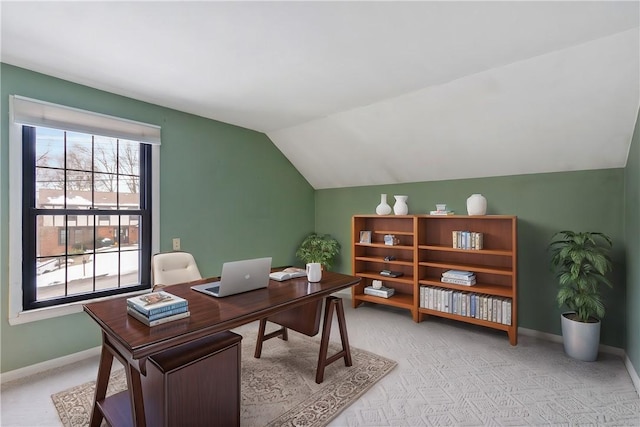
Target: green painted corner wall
[(632, 232), (544, 204), (226, 191)]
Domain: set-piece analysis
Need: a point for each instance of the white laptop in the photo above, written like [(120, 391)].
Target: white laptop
[(237, 277)]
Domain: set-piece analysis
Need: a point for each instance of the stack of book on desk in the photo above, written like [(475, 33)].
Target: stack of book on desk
[(383, 292), (288, 273), (156, 308), (459, 277)]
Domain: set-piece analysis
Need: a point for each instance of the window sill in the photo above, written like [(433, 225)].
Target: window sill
[(61, 310)]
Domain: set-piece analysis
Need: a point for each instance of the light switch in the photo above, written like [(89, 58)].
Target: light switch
[(176, 243)]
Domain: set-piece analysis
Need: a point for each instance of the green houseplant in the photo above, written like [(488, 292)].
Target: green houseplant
[(581, 262), (321, 248)]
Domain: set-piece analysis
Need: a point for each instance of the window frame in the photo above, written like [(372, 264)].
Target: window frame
[(17, 313)]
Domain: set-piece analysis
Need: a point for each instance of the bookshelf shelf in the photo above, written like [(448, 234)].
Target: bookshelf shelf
[(479, 288), (476, 268), (390, 247), (381, 259), (397, 300), (465, 319), (466, 251), (377, 276)]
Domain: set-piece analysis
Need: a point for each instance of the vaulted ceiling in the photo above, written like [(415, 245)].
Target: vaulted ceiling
[(360, 93)]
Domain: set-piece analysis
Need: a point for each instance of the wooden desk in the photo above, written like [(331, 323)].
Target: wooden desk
[(133, 343)]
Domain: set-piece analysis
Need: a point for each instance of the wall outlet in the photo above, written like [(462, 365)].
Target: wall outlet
[(176, 243)]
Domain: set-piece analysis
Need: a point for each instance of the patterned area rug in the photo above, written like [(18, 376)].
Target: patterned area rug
[(279, 389)]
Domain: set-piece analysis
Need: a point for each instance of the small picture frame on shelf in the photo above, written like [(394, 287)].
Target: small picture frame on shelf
[(365, 236), (391, 240)]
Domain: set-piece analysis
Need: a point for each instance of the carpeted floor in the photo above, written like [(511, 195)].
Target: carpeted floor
[(279, 389), (455, 374), (448, 373)]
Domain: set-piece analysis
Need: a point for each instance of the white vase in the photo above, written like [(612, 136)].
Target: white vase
[(476, 204), (401, 207), (383, 208)]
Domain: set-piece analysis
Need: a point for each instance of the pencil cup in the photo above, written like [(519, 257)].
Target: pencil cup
[(314, 272)]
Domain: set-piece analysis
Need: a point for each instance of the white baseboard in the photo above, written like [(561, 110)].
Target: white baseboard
[(59, 362), (603, 348), (632, 373), (558, 339), (542, 335)]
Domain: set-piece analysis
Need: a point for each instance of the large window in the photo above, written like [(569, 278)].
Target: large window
[(86, 211), (83, 187)]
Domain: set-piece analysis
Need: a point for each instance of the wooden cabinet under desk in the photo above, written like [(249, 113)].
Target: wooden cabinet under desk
[(426, 250), (195, 384)]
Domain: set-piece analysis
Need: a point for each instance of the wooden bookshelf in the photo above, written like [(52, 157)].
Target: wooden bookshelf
[(495, 265), (368, 260), (425, 251)]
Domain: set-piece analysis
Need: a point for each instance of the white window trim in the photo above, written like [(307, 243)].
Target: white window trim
[(17, 315)]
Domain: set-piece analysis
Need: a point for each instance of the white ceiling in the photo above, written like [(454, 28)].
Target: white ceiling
[(360, 93)]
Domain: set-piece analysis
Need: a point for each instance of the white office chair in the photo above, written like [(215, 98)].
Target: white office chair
[(169, 268)]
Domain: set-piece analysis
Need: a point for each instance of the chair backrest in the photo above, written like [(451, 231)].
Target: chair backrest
[(169, 268)]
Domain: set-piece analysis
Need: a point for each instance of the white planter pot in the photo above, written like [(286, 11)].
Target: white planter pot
[(581, 340)]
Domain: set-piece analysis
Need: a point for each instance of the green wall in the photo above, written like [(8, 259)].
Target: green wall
[(544, 204), (226, 191), (632, 232)]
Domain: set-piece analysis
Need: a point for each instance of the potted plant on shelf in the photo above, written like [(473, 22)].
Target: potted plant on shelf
[(318, 248), (581, 261)]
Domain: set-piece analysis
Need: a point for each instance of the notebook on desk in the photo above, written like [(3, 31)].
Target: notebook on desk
[(238, 277)]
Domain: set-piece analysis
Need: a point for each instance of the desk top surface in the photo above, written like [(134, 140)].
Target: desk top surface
[(209, 315)]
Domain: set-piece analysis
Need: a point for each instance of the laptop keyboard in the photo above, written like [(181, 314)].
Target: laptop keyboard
[(214, 289)]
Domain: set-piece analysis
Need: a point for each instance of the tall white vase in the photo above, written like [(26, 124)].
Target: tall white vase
[(476, 205), (383, 208), (401, 207)]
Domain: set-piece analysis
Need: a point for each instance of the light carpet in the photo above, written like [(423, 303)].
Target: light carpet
[(279, 389)]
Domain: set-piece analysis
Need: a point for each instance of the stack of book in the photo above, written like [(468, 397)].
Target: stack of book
[(469, 304), (156, 308), (459, 277), (467, 240), (438, 212), (383, 292)]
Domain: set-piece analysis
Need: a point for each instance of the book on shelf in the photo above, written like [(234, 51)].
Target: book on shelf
[(468, 304), (441, 213), (464, 282), (288, 273), (383, 292), (144, 319), (458, 274), (467, 240), (162, 314), (156, 302)]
